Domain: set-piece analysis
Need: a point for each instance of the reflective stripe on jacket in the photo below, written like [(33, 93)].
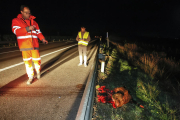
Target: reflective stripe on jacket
[(27, 40), (85, 36)]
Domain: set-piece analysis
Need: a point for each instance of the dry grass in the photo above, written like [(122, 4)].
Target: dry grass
[(153, 63)]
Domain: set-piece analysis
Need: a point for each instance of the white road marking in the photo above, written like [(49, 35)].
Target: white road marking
[(11, 66), (41, 57), (58, 50)]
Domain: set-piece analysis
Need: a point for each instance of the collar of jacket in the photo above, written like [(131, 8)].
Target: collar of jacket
[(83, 32), (30, 18)]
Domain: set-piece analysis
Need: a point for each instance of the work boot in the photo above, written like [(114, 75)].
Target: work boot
[(79, 64), (29, 81), (38, 75)]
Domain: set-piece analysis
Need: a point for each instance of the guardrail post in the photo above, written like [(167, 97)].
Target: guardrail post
[(107, 43), (102, 66), (107, 39), (59, 39), (15, 44)]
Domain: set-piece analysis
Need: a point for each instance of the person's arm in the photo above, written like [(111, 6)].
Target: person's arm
[(39, 34), (77, 38), (18, 30)]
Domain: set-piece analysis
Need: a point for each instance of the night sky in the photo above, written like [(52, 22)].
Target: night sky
[(123, 17)]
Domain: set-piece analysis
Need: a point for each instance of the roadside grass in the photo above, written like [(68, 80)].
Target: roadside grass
[(158, 104)]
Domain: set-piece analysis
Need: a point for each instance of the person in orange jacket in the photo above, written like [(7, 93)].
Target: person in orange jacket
[(27, 32)]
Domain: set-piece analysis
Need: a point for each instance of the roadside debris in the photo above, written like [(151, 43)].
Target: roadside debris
[(117, 97)]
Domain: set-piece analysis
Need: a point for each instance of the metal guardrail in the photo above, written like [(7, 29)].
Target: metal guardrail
[(6, 42), (11, 38), (86, 105), (14, 43)]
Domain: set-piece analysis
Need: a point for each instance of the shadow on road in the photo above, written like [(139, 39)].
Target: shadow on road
[(13, 84), (62, 57)]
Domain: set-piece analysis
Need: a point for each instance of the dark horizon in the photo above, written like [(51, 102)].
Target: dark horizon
[(149, 18)]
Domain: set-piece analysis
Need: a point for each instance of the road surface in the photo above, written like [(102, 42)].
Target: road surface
[(56, 96)]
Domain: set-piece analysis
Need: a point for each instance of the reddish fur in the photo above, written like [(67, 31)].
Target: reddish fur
[(119, 98)]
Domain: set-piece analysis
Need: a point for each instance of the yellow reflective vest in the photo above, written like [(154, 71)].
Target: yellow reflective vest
[(85, 36)]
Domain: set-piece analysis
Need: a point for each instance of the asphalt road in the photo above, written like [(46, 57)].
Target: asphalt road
[(56, 96)]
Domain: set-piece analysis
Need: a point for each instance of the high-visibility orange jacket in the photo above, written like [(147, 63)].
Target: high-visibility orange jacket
[(27, 40)]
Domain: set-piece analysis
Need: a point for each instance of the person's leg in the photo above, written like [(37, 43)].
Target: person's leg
[(27, 58), (85, 55), (37, 61), (80, 55)]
